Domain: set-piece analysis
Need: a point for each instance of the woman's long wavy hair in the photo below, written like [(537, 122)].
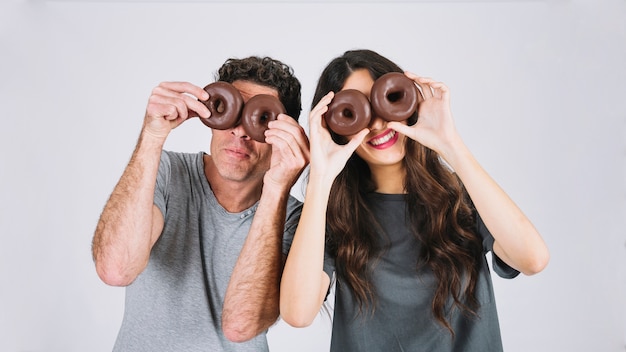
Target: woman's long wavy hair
[(439, 209)]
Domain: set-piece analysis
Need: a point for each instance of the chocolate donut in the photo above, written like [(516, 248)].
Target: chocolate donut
[(394, 97), (225, 104), (348, 112), (258, 112)]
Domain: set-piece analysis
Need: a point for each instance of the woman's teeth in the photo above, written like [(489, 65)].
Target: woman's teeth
[(383, 139)]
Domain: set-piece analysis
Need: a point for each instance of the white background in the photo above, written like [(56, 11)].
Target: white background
[(538, 92)]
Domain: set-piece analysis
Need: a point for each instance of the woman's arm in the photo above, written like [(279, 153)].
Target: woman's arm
[(304, 283), (517, 242)]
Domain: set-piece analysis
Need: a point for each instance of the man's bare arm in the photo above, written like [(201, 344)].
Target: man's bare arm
[(251, 304), (130, 223)]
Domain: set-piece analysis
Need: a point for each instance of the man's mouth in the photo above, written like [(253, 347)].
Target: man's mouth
[(241, 153)]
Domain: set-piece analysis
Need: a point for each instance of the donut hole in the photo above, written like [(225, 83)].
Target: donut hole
[(395, 97), (347, 113), (264, 117), (220, 106)]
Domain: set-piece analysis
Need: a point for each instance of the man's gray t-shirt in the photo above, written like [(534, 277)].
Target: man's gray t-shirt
[(176, 303), (403, 320)]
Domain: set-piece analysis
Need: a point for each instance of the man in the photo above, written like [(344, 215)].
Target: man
[(199, 240)]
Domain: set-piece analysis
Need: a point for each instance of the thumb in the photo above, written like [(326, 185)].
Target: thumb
[(400, 127), (357, 140)]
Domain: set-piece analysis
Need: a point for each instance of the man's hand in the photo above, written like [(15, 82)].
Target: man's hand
[(290, 152), (170, 104)]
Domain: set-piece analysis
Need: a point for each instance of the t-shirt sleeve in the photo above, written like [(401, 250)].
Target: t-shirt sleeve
[(291, 223), (162, 181), (294, 209), (329, 264), (499, 266)]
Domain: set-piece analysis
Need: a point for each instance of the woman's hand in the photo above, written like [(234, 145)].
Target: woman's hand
[(327, 157), (435, 126), (517, 242)]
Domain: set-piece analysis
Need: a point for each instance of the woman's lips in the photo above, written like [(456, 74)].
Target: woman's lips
[(384, 140)]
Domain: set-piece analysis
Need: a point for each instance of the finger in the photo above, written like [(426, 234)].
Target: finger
[(320, 108), (414, 78), (290, 152), (162, 111), (196, 107), (185, 87), (176, 93), (440, 90), (400, 128), (317, 122), (411, 75), (279, 142), (424, 84), (286, 122), (289, 128), (355, 141), (166, 107)]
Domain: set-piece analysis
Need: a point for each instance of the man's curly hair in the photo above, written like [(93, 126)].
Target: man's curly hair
[(267, 72)]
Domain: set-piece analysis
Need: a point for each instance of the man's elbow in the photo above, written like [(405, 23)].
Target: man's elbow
[(238, 336), (239, 332), (114, 275)]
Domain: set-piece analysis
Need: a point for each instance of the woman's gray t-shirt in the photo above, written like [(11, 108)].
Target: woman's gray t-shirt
[(403, 319)]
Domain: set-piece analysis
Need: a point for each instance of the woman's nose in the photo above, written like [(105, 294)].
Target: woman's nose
[(376, 123)]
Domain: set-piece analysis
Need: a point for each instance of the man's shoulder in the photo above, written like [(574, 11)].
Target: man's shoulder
[(181, 157)]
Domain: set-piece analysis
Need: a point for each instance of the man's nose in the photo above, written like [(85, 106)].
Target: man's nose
[(239, 132)]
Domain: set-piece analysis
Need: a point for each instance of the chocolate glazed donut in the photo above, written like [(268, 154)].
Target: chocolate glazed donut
[(258, 112), (225, 104), (348, 112), (394, 97)]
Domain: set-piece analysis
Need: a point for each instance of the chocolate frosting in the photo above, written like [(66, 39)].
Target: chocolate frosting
[(224, 103), (394, 97), (348, 113), (258, 112)]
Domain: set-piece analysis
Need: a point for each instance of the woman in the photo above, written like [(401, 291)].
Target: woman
[(405, 235)]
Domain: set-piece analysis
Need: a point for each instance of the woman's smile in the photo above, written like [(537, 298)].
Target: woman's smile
[(384, 140)]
